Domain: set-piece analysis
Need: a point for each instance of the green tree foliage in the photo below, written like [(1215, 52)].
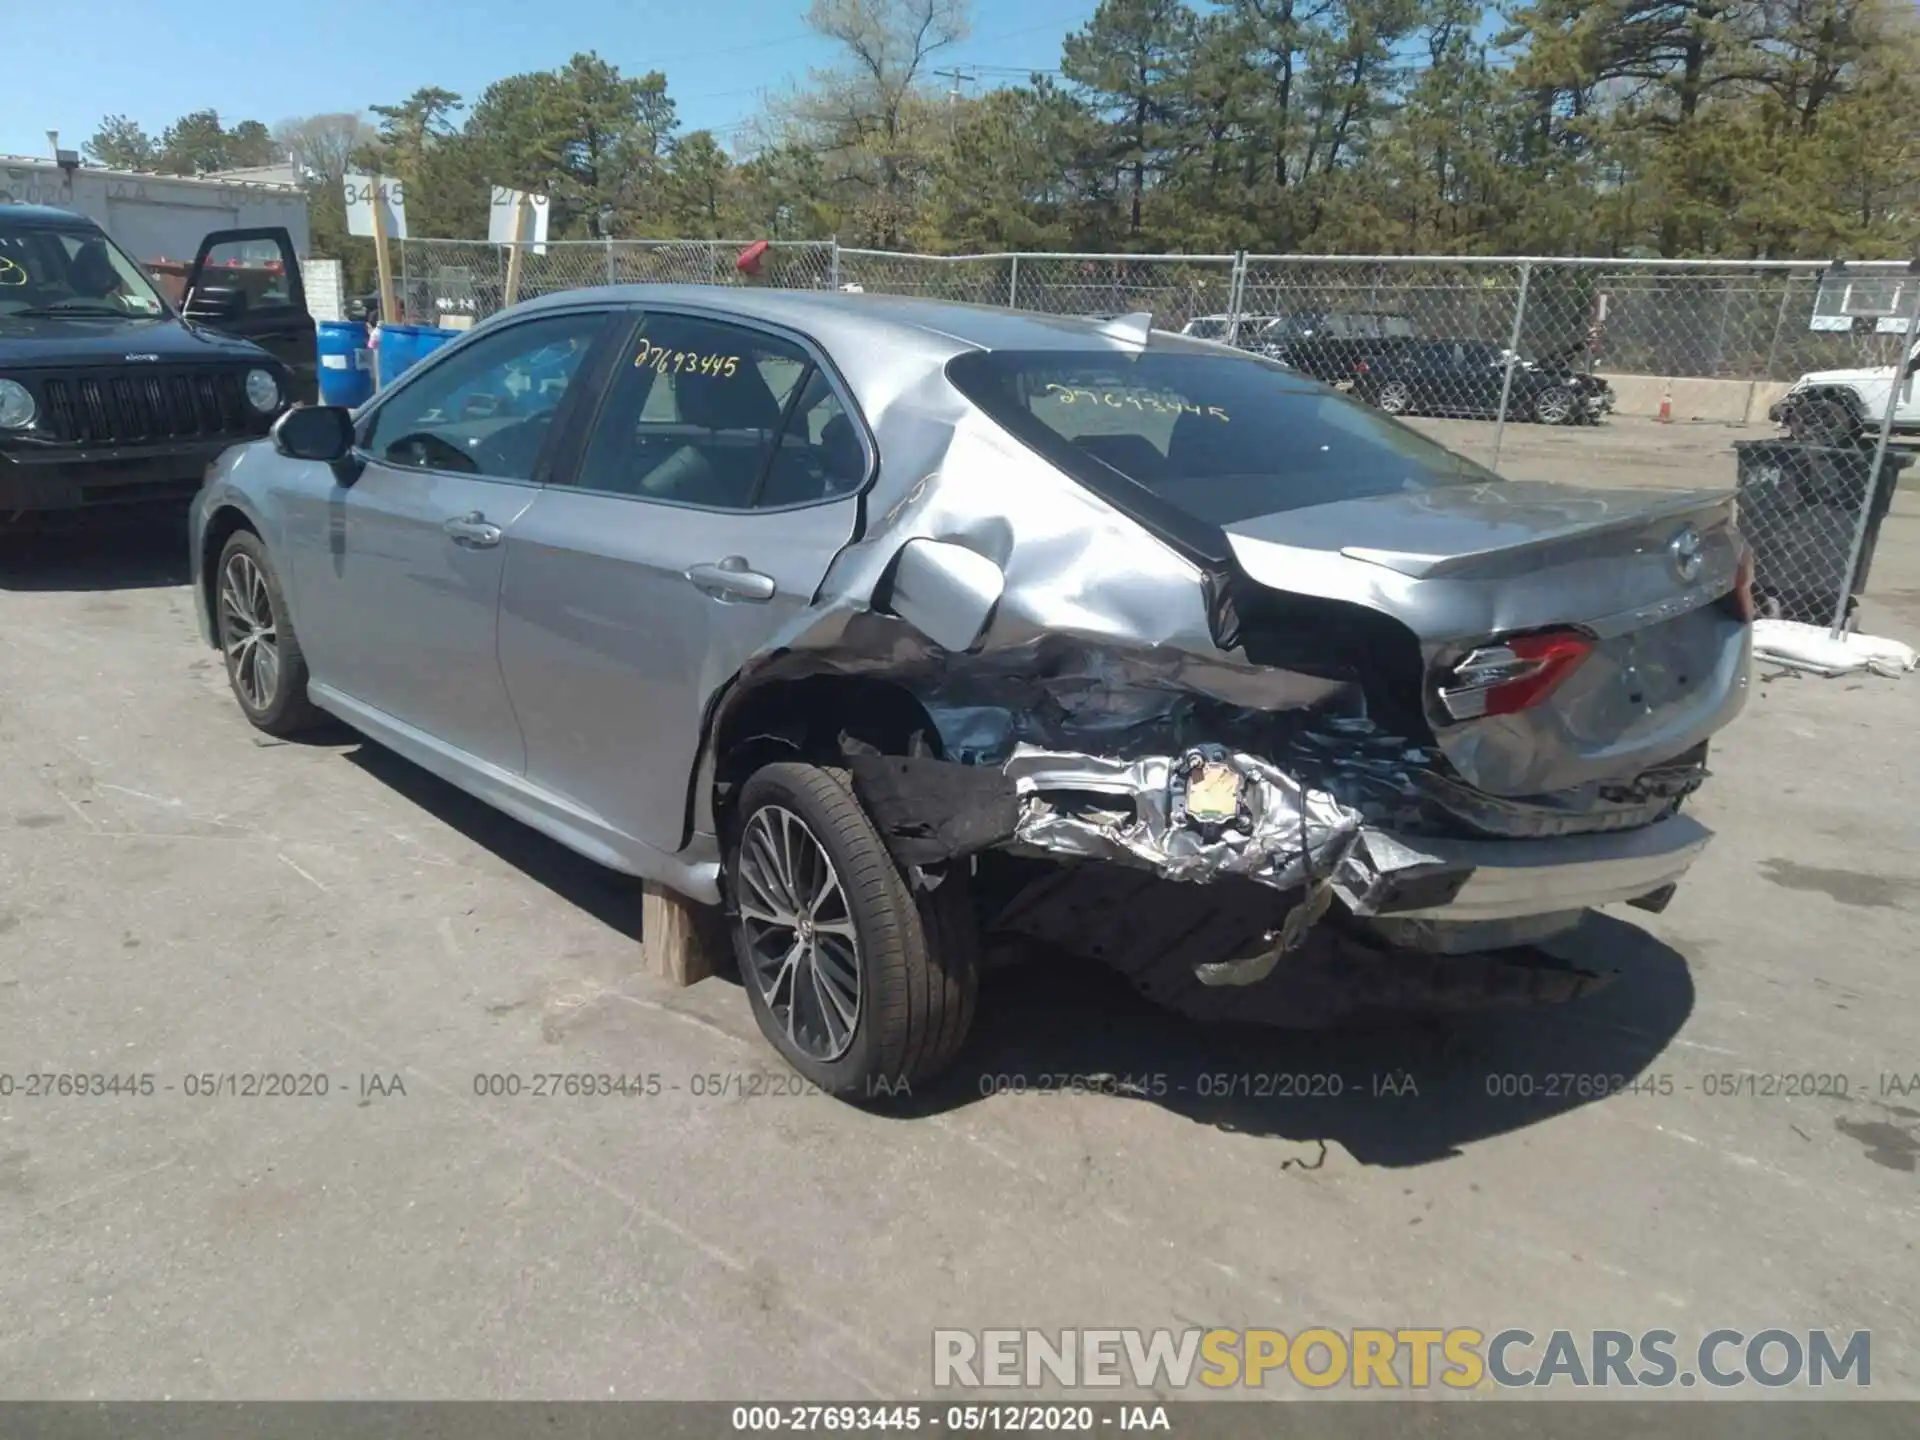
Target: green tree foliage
[(1735, 128), (195, 144), (120, 144)]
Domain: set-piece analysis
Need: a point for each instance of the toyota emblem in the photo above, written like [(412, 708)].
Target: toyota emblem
[(1683, 551)]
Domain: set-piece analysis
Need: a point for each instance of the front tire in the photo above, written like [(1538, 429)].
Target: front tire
[(864, 987), (265, 668), (1556, 406)]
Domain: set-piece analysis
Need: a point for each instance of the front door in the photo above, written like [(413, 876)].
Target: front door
[(247, 283), (397, 572), (715, 490)]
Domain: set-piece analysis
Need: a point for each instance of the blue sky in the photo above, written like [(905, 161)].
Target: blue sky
[(154, 65)]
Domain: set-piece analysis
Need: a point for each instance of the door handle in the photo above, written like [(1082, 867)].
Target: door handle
[(730, 579), (473, 529)]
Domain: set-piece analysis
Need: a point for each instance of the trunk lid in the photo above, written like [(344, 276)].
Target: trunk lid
[(1644, 576)]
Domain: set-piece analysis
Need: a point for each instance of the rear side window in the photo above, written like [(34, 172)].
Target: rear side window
[(1221, 438), (723, 417)]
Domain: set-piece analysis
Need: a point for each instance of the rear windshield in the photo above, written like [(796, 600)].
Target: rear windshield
[(1221, 438)]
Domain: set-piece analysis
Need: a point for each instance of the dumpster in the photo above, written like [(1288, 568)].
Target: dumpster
[(401, 347), (1799, 508)]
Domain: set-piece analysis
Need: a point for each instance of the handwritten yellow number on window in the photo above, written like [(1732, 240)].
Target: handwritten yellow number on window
[(673, 362), (1121, 399), (12, 272)]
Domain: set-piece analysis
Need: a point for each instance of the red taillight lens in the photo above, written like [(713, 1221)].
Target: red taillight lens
[(1360, 368), (1513, 675)]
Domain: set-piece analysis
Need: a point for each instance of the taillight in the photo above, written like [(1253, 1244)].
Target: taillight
[(1742, 596), (1360, 368), (1513, 675)]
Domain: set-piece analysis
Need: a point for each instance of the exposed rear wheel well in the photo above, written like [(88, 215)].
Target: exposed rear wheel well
[(221, 526), (804, 719)]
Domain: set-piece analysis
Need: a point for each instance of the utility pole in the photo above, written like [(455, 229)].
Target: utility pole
[(958, 76)]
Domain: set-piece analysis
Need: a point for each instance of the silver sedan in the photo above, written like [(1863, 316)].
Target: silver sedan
[(891, 625)]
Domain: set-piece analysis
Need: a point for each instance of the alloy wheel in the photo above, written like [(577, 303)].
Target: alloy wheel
[(1395, 398), (249, 630), (803, 951), (1554, 407)]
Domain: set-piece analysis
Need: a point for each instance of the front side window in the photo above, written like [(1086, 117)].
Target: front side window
[(486, 410), (1222, 438), (70, 271), (696, 414)]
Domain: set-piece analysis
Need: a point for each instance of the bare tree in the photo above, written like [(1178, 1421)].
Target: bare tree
[(324, 144), (869, 117)]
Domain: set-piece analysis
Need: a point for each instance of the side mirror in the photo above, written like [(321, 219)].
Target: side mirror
[(315, 432), (945, 591)]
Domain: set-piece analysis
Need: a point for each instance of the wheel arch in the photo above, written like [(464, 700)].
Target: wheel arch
[(222, 523), (800, 717)]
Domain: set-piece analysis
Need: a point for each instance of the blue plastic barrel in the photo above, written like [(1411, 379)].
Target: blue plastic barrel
[(404, 346), (346, 365)]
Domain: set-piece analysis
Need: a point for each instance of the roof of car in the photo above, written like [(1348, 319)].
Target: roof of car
[(830, 314), (40, 215)]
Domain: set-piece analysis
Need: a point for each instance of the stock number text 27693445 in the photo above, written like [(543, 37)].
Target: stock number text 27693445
[(676, 362)]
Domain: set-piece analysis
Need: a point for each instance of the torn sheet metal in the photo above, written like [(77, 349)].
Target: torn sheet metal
[(1378, 865), (1197, 816), (930, 810)]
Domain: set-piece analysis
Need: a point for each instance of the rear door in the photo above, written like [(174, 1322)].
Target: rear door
[(247, 283), (717, 484), (1482, 374)]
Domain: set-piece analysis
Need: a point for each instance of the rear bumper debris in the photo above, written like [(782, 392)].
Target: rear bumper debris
[(1483, 880), (1240, 826), (1198, 816)]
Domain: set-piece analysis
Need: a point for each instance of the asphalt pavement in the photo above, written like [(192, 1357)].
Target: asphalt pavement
[(183, 899)]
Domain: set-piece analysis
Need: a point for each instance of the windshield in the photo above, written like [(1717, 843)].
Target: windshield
[(70, 270), (1220, 437)]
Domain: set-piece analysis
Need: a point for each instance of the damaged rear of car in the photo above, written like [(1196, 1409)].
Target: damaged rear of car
[(1166, 655)]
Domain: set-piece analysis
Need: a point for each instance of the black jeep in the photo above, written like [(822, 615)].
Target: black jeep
[(110, 396)]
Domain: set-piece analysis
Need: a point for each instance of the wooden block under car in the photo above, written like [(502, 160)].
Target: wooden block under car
[(682, 939)]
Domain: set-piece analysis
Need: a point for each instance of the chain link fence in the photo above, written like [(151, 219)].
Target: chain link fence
[(464, 281), (1560, 347)]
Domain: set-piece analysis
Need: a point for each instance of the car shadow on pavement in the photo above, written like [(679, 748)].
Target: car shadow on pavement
[(611, 898), (139, 548), (1391, 1094)]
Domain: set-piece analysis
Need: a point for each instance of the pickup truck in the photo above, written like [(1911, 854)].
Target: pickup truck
[(1840, 407), (109, 394)]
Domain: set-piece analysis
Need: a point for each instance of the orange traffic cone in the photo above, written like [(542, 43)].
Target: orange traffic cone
[(1666, 404)]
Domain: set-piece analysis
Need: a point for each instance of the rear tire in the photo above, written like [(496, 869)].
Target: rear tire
[(265, 668), (1395, 398), (865, 986)]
